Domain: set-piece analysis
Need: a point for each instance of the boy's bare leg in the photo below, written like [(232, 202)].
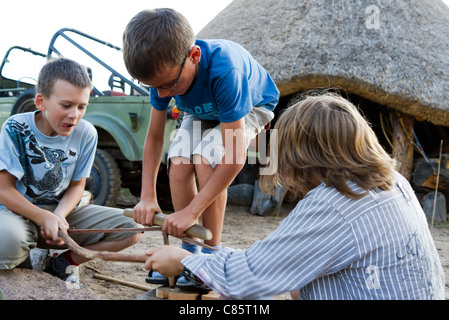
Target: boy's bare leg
[(213, 216), (112, 246), (183, 190), (182, 182)]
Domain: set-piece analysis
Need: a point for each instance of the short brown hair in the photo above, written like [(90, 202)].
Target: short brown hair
[(154, 39), (325, 137), (61, 69)]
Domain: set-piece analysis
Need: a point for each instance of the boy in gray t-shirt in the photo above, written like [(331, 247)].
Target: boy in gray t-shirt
[(46, 157)]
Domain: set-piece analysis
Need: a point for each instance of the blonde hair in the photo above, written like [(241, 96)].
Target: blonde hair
[(154, 39), (324, 138)]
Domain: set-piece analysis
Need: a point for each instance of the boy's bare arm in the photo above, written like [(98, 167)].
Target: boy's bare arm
[(233, 134), (144, 211), (16, 202), (71, 198)]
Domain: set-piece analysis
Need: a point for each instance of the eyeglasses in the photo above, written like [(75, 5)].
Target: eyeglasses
[(172, 85)]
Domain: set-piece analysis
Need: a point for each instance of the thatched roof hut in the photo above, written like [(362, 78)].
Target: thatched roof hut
[(392, 52)]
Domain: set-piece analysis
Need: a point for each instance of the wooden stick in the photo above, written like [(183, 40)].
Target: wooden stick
[(155, 228), (116, 230), (104, 255), (126, 283), (171, 280), (194, 231), (188, 240), (436, 187), (111, 256)]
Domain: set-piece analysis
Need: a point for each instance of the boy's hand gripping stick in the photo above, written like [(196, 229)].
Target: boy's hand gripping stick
[(194, 231)]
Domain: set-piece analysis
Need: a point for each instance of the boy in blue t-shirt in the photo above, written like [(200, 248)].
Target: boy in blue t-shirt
[(227, 98), (46, 157)]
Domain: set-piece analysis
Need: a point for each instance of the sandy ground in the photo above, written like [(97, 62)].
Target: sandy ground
[(241, 229)]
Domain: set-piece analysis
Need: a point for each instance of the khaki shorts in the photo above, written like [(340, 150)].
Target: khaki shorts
[(19, 235), (203, 137)]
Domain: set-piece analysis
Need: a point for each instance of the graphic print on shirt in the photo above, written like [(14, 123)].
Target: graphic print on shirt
[(416, 265), (43, 167), (206, 111)]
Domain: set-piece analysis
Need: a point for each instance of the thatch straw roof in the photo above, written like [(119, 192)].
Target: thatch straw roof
[(305, 44)]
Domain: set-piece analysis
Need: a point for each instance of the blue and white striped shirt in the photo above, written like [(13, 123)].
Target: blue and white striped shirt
[(333, 247)]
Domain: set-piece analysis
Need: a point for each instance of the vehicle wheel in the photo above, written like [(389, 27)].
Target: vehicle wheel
[(25, 102), (105, 181), (162, 188)]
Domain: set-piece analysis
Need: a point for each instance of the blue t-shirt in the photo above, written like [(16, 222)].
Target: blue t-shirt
[(44, 166), (229, 84)]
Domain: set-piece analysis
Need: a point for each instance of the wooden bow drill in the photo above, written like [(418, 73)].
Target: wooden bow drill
[(158, 220), (194, 231), (104, 255)]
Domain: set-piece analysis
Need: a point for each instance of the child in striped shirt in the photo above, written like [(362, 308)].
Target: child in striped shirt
[(358, 231)]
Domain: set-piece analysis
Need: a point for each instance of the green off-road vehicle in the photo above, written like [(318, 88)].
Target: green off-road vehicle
[(119, 109)]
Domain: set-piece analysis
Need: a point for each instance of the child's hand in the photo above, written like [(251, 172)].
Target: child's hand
[(166, 260), (177, 223), (50, 228), (144, 212)]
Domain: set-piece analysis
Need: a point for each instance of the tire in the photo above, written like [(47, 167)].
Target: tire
[(105, 180), (162, 188), (25, 102)]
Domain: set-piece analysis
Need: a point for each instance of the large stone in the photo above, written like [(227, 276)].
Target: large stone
[(26, 284), (266, 204), (435, 210), (240, 195)]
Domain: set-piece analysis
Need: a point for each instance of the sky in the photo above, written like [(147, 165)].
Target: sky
[(32, 23)]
